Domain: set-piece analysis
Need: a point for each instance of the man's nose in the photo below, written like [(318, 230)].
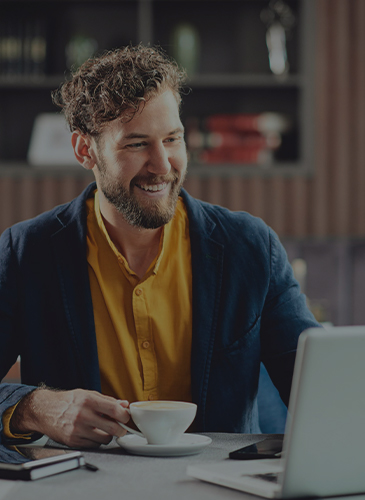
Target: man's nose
[(159, 161)]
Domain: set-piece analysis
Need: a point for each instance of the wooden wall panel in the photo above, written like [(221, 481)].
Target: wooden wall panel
[(339, 111), (320, 187), (8, 203), (358, 117), (24, 197), (277, 208)]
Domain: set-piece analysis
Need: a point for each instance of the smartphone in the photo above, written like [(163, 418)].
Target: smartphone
[(29, 463), (270, 447)]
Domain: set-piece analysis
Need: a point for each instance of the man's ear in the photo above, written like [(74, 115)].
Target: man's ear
[(83, 149)]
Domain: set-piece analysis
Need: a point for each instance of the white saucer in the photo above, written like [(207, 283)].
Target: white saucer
[(189, 444)]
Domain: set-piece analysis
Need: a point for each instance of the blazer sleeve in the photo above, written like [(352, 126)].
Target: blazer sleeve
[(285, 316), (10, 394), (10, 343)]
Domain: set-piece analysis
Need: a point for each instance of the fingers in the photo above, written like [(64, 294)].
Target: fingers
[(108, 425), (105, 423), (123, 403), (102, 414), (112, 408), (90, 438)]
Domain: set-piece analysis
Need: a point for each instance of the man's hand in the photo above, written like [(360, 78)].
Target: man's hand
[(76, 418)]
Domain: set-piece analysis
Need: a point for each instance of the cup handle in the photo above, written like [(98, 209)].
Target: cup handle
[(131, 431)]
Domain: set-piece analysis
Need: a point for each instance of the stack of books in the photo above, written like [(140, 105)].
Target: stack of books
[(23, 47), (240, 138)]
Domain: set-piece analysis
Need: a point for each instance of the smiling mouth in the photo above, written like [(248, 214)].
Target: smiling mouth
[(152, 187)]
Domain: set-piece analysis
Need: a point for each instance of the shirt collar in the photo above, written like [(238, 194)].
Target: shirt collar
[(153, 269)]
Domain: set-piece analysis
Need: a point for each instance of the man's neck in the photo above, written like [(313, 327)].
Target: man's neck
[(138, 245)]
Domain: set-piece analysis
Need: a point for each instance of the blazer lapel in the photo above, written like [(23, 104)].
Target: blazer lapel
[(69, 246), (207, 269)]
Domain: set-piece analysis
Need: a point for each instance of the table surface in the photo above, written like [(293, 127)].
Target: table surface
[(132, 477)]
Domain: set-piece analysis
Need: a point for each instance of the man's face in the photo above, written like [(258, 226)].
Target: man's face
[(141, 164)]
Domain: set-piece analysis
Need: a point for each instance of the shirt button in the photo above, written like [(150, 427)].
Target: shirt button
[(151, 397), (145, 344), (139, 291)]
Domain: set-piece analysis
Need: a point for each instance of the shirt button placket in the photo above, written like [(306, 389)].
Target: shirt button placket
[(145, 343)]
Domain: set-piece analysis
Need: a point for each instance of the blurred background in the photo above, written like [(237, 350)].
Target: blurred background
[(274, 115)]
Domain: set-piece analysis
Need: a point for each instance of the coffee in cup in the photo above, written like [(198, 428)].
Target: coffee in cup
[(161, 422)]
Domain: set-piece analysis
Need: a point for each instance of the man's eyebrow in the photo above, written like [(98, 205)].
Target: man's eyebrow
[(177, 130), (136, 135)]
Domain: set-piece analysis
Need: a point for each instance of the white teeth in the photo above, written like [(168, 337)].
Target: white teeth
[(154, 187)]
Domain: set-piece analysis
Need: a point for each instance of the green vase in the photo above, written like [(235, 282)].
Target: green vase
[(186, 47)]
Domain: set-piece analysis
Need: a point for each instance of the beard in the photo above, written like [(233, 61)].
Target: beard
[(152, 214)]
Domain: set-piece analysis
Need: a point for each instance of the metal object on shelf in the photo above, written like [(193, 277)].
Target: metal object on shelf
[(279, 20)]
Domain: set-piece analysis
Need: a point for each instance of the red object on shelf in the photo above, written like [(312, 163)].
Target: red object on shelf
[(243, 122), (231, 139)]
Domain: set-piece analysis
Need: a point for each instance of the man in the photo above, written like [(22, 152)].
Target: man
[(135, 290)]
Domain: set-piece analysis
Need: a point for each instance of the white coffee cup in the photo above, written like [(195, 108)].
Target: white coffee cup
[(161, 422)]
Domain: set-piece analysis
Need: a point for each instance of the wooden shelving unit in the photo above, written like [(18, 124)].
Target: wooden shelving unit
[(233, 74)]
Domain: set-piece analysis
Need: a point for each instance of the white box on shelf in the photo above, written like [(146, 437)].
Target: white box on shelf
[(50, 143)]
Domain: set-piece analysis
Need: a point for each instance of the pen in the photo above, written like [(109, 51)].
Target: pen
[(91, 467)]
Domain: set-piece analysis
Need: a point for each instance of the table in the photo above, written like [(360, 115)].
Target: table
[(122, 476)]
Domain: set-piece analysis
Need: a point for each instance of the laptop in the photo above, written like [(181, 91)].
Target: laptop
[(324, 441)]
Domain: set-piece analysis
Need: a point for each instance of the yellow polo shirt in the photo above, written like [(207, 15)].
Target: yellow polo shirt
[(143, 326)]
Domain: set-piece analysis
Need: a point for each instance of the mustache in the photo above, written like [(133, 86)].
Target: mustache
[(155, 179)]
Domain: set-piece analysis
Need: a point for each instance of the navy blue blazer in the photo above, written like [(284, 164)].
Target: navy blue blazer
[(247, 307)]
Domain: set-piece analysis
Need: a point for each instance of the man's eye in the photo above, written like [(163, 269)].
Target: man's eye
[(135, 145)]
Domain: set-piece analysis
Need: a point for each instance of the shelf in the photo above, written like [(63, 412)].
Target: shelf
[(31, 82), (19, 169), (245, 81), (283, 169), (198, 81), (280, 169)]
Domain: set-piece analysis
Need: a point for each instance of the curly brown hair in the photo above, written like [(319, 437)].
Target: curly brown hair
[(104, 87)]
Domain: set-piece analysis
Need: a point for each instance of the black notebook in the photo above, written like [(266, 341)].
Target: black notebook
[(32, 462)]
